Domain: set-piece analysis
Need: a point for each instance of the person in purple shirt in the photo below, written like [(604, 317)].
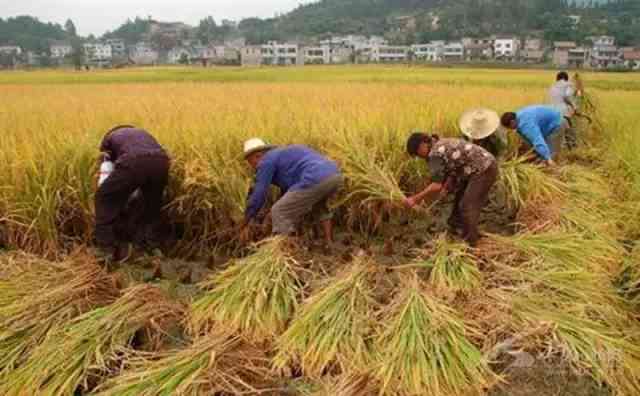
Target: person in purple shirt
[(542, 127), (306, 179), (140, 163)]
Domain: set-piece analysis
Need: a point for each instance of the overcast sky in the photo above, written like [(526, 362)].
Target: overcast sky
[(98, 16)]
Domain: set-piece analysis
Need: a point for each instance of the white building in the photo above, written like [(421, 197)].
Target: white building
[(506, 48), (284, 54), (320, 55), (60, 50), (118, 48), (143, 54), (10, 49), (251, 55), (453, 52), (430, 52), (602, 40), (98, 52), (389, 53)]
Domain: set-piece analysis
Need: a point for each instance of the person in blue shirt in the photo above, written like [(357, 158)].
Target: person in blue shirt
[(542, 127), (306, 179)]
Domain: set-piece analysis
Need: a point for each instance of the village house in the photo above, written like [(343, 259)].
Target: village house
[(631, 58), (341, 54), (604, 53), (577, 57), (60, 50), (506, 48), (389, 53), (176, 30), (118, 47), (99, 54), (453, 52), (251, 55), (478, 52), (533, 51), (143, 54), (561, 53), (284, 54), (10, 49), (225, 55), (319, 55), (430, 52)]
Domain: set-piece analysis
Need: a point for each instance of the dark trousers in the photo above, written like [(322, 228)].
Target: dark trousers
[(150, 174), (471, 197)]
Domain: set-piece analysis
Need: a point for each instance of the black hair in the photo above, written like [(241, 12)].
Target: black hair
[(416, 139), (507, 118), (119, 127), (562, 76)]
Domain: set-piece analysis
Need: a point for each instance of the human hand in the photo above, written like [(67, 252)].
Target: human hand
[(550, 163), (410, 202)]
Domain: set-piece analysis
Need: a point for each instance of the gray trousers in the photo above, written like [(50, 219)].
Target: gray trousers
[(291, 209)]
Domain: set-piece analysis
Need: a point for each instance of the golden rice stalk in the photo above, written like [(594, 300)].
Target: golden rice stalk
[(372, 173), (36, 295), (628, 279), (216, 363), (601, 341), (425, 350), (452, 268), (346, 385), (333, 326), (256, 295), (75, 354), (521, 182)]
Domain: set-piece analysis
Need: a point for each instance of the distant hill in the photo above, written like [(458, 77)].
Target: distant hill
[(30, 34), (408, 20)]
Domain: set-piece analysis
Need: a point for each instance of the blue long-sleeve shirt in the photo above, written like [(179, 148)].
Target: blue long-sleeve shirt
[(535, 124), (290, 168)]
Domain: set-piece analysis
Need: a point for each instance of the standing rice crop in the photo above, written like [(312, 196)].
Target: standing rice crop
[(424, 349), (332, 328), (216, 363), (77, 353), (36, 295), (256, 295)]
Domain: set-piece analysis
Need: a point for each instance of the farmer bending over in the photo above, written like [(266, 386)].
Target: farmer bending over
[(140, 163), (456, 166), (306, 179), (541, 127), (562, 96), (482, 127)]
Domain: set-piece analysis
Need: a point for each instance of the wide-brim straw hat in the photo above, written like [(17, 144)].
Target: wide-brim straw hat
[(255, 145), (479, 123)]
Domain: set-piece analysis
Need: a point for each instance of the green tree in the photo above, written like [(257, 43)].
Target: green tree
[(70, 28)]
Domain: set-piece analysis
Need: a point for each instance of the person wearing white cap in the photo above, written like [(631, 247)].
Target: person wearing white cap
[(482, 127), (306, 179)]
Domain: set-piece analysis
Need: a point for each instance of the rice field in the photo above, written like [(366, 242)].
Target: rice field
[(398, 309)]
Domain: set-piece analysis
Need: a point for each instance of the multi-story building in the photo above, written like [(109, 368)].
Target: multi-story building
[(478, 52), (605, 56), (143, 54), (118, 47), (251, 55), (506, 48), (602, 40), (98, 53), (274, 53), (60, 50), (561, 53), (630, 57), (319, 55), (453, 52), (389, 53), (577, 57), (10, 49)]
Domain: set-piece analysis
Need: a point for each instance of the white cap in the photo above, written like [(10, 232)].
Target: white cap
[(254, 145)]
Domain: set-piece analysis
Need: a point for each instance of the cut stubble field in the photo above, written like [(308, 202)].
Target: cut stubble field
[(399, 309)]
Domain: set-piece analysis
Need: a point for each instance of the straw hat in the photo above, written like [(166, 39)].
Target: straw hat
[(254, 145), (479, 123)]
